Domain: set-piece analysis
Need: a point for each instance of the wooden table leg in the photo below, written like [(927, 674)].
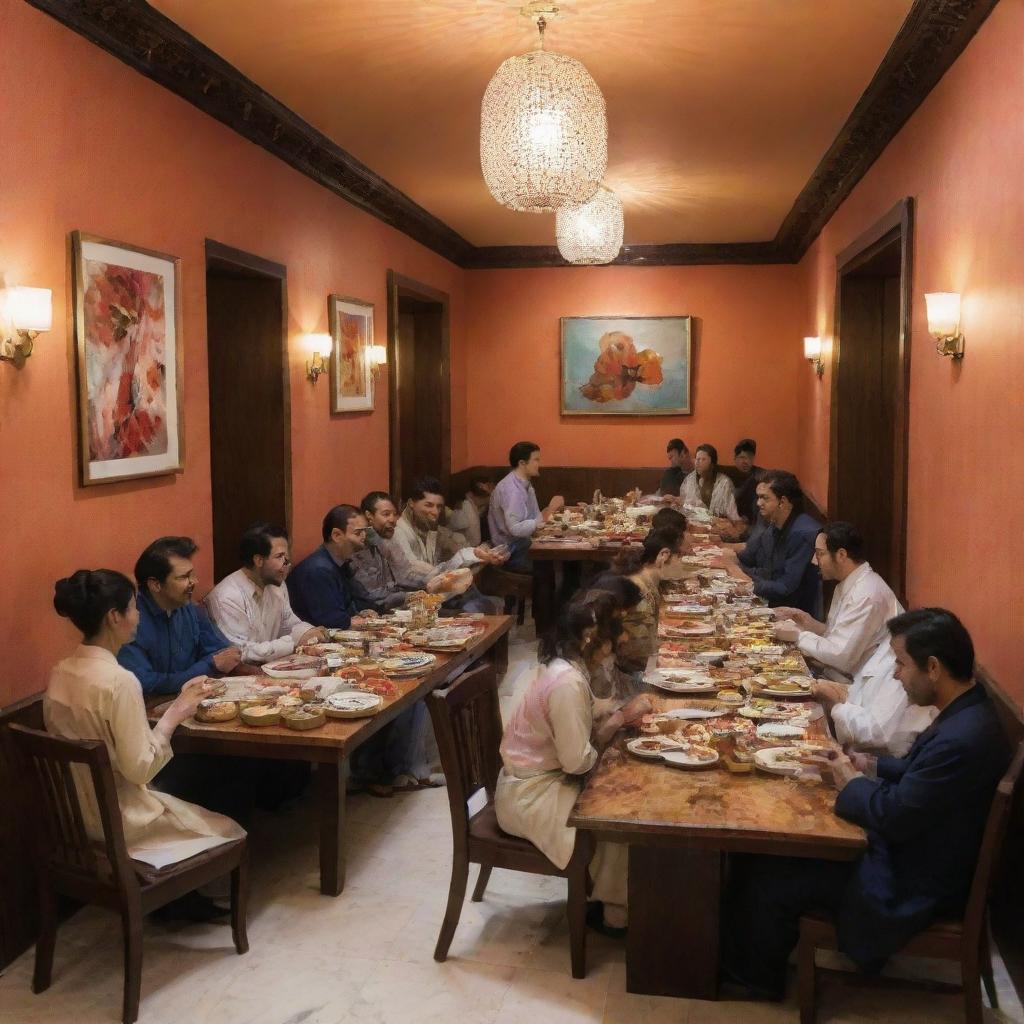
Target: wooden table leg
[(331, 780), (543, 594), (672, 942)]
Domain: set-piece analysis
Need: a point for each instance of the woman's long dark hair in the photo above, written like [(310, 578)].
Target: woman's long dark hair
[(565, 640), (712, 453), (87, 595), (632, 560)]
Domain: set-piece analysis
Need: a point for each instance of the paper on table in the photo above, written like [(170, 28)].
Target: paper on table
[(171, 853)]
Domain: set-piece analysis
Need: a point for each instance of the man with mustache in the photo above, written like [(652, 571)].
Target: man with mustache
[(175, 640)]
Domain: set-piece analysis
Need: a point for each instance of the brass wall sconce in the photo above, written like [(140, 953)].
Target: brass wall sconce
[(944, 323), (376, 356), (316, 365), (24, 314), (812, 353)]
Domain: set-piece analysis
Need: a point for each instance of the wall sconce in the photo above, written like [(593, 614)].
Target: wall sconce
[(318, 344), (24, 313), (812, 353), (944, 323), (376, 356)]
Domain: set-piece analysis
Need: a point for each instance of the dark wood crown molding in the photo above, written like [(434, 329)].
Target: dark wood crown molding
[(931, 38)]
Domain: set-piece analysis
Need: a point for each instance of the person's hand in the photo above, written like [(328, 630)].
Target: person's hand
[(865, 763), (437, 585), (787, 631), (829, 690), (797, 615), (838, 764), (635, 709), (556, 504), (227, 660), (194, 691), (315, 635), (487, 555)]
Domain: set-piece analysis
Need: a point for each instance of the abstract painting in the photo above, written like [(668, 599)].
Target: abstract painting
[(625, 365), (127, 336), (351, 323)]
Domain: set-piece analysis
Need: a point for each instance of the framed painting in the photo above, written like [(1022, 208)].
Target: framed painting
[(129, 360), (351, 323), (626, 366)]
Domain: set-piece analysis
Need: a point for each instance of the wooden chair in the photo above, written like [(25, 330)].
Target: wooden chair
[(467, 724), (966, 940), (514, 587), (100, 872)]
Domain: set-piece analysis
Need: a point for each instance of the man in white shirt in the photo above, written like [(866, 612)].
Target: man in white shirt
[(251, 607)]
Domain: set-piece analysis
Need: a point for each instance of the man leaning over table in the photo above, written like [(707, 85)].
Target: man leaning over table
[(251, 606), (853, 646), (924, 815), (514, 513), (175, 640)]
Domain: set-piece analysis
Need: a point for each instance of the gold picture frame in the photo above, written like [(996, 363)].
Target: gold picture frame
[(351, 323)]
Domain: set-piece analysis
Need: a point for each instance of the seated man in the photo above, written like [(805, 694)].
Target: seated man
[(748, 477), (322, 586), (469, 518), (780, 560), (924, 814), (515, 513), (251, 606), (175, 639), (432, 549), (680, 465)]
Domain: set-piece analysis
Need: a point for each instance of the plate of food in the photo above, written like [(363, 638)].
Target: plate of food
[(770, 710), (786, 761), (694, 755), (352, 704), (731, 696), (711, 656), (779, 731), (651, 747), (295, 666), (356, 636), (793, 687), (698, 629), (681, 684), (407, 664), (689, 609)]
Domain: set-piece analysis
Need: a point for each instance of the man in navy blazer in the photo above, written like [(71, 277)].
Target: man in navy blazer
[(924, 815), (779, 559)]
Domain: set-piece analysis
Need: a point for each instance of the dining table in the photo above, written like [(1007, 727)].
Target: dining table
[(330, 746)]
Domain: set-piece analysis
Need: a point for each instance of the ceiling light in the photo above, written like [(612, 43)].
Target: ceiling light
[(543, 129), (591, 233)]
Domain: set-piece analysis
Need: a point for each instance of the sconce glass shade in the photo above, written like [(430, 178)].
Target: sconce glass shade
[(592, 233), (543, 133), (943, 313), (317, 343), (27, 309), (376, 355), (812, 348)]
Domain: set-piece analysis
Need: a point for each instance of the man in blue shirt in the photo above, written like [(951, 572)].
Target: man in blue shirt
[(322, 588), (175, 640)]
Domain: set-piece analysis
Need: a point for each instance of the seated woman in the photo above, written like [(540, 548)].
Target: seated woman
[(708, 487), (552, 741), (91, 697), (609, 681)]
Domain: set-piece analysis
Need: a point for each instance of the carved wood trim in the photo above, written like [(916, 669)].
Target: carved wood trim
[(934, 34)]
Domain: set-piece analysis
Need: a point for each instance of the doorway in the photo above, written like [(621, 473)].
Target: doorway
[(870, 385), (250, 429), (419, 385)]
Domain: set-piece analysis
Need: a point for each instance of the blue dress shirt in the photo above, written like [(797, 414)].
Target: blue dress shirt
[(323, 592)]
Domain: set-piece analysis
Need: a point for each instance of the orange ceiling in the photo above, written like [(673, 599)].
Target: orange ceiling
[(718, 110)]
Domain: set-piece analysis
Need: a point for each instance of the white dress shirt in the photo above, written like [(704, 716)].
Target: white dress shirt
[(259, 622), (877, 715), (861, 606)]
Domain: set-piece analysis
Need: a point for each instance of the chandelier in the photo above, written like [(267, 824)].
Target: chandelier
[(543, 131), (591, 233)]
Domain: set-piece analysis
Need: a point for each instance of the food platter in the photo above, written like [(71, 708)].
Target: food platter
[(779, 761), (694, 756), (671, 683), (650, 748), (407, 664), (770, 711), (295, 666), (352, 704), (793, 688)]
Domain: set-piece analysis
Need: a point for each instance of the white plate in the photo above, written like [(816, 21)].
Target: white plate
[(758, 650), (687, 684), (687, 631), (405, 664), (772, 715), (709, 656), (769, 761), (313, 665), (689, 609), (683, 759), (635, 746), (355, 704), (354, 635), (779, 731), (691, 713), (771, 691)]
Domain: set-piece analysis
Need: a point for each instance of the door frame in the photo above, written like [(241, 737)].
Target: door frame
[(219, 254), (400, 286), (897, 224)]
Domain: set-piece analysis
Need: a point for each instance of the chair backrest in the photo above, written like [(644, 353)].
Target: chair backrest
[(63, 846), (991, 847), (467, 726)]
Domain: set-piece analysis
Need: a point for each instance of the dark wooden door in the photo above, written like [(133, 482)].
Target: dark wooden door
[(250, 447)]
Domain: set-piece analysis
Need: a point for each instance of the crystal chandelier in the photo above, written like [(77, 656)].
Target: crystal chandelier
[(591, 233), (543, 131)]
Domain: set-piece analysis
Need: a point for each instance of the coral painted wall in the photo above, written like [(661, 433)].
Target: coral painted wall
[(92, 145), (746, 359), (960, 158)]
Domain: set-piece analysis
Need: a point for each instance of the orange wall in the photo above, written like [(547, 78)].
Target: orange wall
[(747, 359), (90, 144), (960, 157)]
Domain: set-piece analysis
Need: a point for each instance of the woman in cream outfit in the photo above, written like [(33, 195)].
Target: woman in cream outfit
[(708, 487), (553, 739), (91, 697)]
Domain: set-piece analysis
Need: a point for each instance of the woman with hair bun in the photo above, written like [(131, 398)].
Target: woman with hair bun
[(91, 697)]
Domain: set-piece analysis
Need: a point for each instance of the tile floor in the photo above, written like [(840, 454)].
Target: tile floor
[(367, 956)]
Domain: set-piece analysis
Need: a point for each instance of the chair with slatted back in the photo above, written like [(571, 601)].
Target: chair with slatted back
[(70, 863), (965, 940), (467, 725)]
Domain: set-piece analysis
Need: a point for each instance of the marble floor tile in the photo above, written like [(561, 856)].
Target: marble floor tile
[(554, 997)]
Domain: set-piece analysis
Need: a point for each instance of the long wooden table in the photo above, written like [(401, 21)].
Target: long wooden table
[(330, 746), (678, 823)]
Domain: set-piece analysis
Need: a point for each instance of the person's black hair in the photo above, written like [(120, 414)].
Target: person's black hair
[(478, 482), (712, 453), (624, 591), (748, 444), (87, 595), (936, 633), (668, 518), (155, 562), (633, 560), (373, 499), (845, 536), (258, 540), (423, 486), (337, 519), (565, 638), (521, 452), (677, 444), (784, 484)]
